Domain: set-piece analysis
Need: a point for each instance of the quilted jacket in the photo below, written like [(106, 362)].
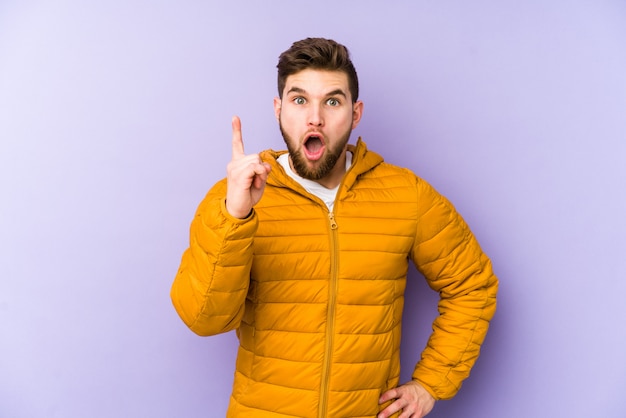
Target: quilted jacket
[(316, 297)]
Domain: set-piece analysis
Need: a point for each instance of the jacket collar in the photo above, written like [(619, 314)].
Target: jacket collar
[(363, 161)]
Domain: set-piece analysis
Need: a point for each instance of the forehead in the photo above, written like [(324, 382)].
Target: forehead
[(317, 81)]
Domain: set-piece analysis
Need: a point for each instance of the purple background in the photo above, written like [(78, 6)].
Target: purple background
[(115, 121)]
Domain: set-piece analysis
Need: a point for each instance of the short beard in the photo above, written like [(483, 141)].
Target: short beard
[(327, 163)]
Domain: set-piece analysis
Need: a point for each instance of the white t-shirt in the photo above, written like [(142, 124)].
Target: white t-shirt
[(313, 187)]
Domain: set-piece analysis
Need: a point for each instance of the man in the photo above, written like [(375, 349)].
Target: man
[(305, 253)]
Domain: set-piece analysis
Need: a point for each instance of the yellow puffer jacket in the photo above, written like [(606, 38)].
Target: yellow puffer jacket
[(317, 297)]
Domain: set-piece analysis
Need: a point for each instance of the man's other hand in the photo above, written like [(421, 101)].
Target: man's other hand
[(411, 398)]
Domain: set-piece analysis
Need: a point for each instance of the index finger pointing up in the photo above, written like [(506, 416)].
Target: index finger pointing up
[(237, 139)]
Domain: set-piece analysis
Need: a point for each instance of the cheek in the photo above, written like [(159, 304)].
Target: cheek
[(288, 123), (288, 116), (346, 120)]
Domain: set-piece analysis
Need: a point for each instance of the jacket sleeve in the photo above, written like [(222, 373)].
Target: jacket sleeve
[(210, 287), (448, 255)]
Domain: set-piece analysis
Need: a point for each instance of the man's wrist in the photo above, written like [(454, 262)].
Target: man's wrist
[(234, 214)]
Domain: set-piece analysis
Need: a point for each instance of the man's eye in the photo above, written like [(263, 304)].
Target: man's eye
[(299, 100), (333, 102)]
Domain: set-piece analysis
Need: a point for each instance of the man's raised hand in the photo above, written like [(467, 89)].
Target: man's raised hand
[(246, 176)]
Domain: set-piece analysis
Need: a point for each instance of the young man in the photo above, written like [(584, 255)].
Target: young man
[(305, 253)]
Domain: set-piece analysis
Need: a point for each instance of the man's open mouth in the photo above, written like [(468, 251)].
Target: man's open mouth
[(314, 147)]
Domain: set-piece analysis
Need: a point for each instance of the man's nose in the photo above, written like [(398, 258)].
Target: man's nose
[(315, 116)]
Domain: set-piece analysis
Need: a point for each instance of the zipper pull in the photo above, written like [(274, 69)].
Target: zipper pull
[(331, 218)]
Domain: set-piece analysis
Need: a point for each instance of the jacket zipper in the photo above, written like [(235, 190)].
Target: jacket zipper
[(330, 328)]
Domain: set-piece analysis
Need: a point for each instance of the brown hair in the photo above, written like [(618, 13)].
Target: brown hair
[(317, 54)]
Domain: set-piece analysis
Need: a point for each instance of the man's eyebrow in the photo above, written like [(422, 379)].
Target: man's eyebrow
[(336, 92), (296, 90)]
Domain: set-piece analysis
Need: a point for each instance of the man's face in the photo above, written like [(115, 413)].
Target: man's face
[(316, 116)]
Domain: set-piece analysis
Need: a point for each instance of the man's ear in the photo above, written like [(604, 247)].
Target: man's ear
[(357, 112), (277, 106)]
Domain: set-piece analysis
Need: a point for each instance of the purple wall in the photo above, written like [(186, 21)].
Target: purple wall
[(115, 120)]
